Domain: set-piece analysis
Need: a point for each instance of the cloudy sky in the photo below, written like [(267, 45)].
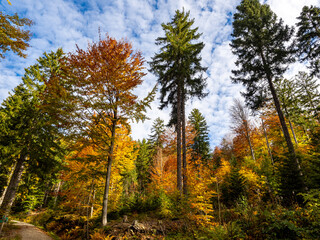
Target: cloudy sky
[(65, 23)]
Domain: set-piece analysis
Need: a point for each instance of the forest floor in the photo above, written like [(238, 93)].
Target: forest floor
[(24, 231)]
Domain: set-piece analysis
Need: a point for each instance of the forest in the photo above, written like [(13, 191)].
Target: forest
[(69, 165)]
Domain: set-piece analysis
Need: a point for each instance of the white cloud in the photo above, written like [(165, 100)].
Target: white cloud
[(64, 23)]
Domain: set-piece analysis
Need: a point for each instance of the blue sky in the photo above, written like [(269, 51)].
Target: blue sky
[(65, 23)]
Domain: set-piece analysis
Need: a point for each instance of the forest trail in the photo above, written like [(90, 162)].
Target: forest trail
[(27, 232)]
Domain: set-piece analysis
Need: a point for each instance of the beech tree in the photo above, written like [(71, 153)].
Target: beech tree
[(13, 37), (241, 122), (179, 73), (93, 96)]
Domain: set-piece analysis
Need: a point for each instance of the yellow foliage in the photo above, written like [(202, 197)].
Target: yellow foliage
[(223, 170), (200, 194)]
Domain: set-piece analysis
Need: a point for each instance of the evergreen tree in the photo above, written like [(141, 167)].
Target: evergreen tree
[(288, 98), (28, 134), (28, 138), (157, 130), (234, 187), (308, 37), (260, 41), (143, 164), (308, 95), (201, 146), (180, 75)]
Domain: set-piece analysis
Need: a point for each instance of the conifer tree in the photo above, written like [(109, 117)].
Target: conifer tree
[(179, 73), (28, 134), (143, 164), (308, 95), (28, 138), (308, 37), (288, 98), (260, 41), (156, 140), (157, 131), (201, 146)]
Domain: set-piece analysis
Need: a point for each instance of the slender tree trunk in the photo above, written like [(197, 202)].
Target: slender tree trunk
[(45, 196), (250, 145), (184, 148), (56, 193), (13, 186), (88, 207), (9, 179), (293, 134), (92, 202), (267, 141), (178, 130), (110, 158), (219, 204)]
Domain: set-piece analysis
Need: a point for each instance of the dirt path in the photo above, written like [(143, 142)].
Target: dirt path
[(28, 232)]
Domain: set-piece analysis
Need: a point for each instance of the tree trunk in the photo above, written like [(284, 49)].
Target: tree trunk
[(184, 148), (9, 179), (45, 196), (92, 202), (249, 140), (13, 186), (106, 189), (56, 193), (293, 134), (178, 130)]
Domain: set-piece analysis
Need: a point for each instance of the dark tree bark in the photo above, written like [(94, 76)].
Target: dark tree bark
[(178, 130), (184, 147), (13, 186)]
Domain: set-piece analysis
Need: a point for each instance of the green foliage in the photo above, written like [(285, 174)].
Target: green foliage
[(308, 95), (143, 164), (259, 41), (157, 131), (308, 42), (200, 146), (291, 182), (177, 66), (233, 187)]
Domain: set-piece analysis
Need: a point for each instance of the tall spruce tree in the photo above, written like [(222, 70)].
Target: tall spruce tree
[(179, 73), (260, 41), (201, 146), (308, 37)]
